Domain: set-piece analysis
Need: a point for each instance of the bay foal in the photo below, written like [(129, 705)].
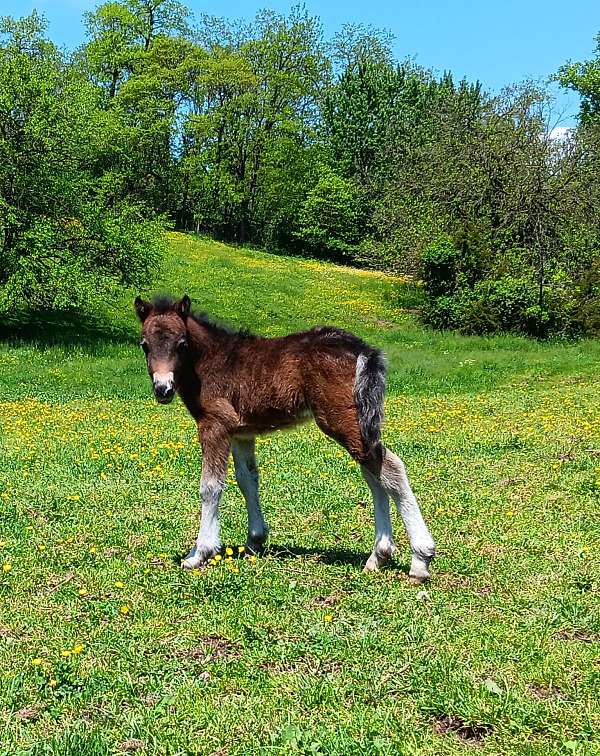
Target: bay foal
[(237, 386)]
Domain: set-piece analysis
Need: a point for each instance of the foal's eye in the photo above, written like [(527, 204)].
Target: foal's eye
[(182, 344), (144, 345)]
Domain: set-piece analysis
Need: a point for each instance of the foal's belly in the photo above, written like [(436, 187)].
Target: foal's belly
[(272, 421)]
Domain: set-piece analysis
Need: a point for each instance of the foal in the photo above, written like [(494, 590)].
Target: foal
[(237, 386)]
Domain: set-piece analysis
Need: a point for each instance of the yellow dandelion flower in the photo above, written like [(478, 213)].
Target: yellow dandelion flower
[(52, 684), (2, 544), (229, 551), (510, 513), (41, 547), (218, 557), (74, 497), (93, 549), (66, 653), (212, 562), (327, 618), (82, 592), (6, 567), (37, 661), (252, 558), (124, 609), (78, 648), (119, 584), (29, 528), (241, 549), (147, 571)]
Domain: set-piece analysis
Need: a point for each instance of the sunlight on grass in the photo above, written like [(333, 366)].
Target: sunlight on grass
[(105, 642)]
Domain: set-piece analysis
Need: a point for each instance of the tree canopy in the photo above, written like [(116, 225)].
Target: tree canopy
[(266, 132)]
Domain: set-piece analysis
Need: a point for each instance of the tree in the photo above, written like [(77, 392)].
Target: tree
[(60, 241)]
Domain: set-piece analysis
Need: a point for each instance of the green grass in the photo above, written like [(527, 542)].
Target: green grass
[(298, 652)]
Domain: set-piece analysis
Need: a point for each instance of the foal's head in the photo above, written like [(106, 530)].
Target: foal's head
[(165, 342)]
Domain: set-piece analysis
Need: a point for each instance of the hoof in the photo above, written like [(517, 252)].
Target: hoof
[(372, 564), (256, 545), (382, 552), (196, 559), (193, 563), (419, 570)]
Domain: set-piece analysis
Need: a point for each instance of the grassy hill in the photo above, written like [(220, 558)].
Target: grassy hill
[(106, 646)]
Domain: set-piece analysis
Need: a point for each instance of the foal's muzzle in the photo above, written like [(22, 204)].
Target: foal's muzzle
[(164, 387)]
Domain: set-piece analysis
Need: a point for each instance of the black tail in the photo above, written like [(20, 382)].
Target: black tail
[(369, 389)]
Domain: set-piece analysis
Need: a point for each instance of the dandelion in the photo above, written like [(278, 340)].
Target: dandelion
[(74, 497), (328, 618), (6, 567), (147, 571), (41, 547), (124, 609), (66, 653), (78, 648), (82, 592), (93, 549), (37, 662), (218, 557), (241, 549), (2, 544), (212, 562), (510, 513), (52, 684), (229, 551), (119, 584), (252, 558)]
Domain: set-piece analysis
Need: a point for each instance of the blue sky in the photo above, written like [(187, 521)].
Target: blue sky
[(495, 42)]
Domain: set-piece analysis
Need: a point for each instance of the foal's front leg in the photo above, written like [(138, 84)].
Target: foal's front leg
[(215, 456)]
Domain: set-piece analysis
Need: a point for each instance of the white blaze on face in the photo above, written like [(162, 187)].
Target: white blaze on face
[(163, 382)]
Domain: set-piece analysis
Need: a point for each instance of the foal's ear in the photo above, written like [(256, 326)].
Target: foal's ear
[(182, 308), (142, 308)]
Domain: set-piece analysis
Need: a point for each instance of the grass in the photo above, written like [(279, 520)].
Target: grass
[(107, 647)]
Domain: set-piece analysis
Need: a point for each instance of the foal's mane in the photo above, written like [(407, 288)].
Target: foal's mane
[(163, 304)]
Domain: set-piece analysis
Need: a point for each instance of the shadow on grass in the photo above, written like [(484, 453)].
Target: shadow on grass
[(324, 556), (47, 328)]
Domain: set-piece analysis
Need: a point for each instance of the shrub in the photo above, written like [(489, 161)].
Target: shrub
[(329, 222), (504, 304)]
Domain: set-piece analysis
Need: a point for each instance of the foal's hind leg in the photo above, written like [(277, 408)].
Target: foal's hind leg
[(384, 541), (394, 480), (246, 474)]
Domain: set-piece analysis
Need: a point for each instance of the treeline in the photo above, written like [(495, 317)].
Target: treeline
[(265, 132)]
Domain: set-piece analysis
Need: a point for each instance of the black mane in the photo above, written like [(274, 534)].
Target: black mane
[(163, 304)]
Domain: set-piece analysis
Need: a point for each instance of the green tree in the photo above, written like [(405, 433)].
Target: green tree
[(60, 242)]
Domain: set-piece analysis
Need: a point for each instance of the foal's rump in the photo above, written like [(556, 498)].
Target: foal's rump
[(344, 381)]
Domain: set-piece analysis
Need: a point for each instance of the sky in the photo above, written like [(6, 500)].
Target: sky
[(498, 43)]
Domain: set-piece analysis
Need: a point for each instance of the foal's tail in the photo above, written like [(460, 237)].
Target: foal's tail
[(369, 388)]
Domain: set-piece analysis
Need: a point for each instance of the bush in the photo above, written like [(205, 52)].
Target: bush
[(329, 222), (506, 304)]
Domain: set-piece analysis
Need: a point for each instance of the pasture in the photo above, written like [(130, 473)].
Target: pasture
[(107, 646)]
